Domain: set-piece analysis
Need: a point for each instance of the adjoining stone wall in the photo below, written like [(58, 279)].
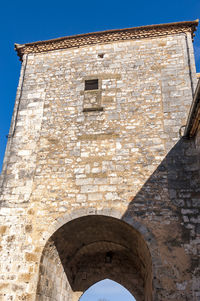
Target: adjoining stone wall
[(194, 221), (183, 180), (125, 155), (197, 139)]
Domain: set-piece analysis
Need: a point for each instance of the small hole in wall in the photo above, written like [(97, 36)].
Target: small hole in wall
[(101, 55)]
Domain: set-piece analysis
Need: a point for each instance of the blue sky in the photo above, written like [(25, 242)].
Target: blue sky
[(107, 290), (27, 21)]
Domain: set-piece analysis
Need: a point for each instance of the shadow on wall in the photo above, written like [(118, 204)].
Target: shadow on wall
[(167, 206), (145, 251)]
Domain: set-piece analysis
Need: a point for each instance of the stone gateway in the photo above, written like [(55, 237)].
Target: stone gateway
[(101, 176)]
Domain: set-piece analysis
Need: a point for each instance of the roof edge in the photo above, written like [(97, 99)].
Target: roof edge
[(107, 37), (194, 114)]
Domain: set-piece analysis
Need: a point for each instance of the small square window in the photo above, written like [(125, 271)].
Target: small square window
[(91, 84)]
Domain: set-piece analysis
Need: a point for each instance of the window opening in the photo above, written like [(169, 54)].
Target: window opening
[(91, 84)]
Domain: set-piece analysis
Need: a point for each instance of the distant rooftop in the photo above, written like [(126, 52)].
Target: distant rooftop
[(107, 36)]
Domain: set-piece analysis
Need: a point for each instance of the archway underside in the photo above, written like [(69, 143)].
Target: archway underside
[(89, 249)]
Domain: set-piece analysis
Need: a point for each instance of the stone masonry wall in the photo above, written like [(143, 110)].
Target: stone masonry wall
[(118, 156)]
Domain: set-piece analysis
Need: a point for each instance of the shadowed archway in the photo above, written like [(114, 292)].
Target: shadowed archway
[(89, 249)]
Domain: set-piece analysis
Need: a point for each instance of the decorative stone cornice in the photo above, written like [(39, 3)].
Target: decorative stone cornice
[(107, 37)]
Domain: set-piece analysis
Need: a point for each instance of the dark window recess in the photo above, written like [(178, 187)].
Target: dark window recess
[(97, 109), (91, 84)]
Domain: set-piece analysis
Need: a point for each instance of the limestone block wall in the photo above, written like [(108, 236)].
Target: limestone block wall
[(124, 154)]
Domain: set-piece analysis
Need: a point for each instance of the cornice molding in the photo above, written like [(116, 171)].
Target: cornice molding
[(108, 36)]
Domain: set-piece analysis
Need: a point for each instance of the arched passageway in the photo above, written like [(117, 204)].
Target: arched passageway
[(107, 290), (89, 249)]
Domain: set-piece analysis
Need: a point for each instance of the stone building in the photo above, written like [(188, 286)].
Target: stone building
[(101, 171)]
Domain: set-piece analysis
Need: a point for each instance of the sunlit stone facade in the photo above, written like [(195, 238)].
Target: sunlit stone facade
[(102, 172)]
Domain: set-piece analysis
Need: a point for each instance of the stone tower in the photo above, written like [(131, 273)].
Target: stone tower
[(97, 182)]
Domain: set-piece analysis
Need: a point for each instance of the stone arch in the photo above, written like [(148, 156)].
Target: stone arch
[(112, 212), (86, 248)]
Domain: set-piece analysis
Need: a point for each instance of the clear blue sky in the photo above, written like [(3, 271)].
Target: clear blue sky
[(27, 21), (107, 290)]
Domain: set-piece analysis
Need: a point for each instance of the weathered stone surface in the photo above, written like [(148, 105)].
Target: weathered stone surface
[(125, 162)]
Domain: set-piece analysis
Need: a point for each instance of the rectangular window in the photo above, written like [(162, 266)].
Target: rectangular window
[(91, 84)]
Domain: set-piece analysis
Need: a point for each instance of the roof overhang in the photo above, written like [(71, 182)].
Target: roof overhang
[(194, 114), (108, 36)]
